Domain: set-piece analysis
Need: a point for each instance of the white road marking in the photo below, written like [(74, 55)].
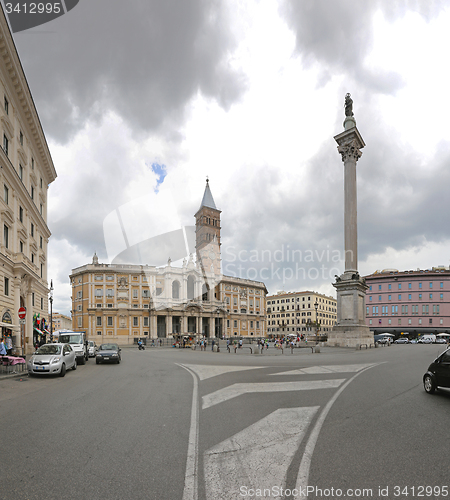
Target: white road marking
[(257, 457), (190, 491), (208, 371), (232, 391), (305, 464), (328, 369)]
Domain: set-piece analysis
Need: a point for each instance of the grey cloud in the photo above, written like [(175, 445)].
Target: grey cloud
[(143, 59), (339, 35)]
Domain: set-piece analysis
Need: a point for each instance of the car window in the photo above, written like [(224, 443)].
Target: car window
[(446, 357), (49, 349)]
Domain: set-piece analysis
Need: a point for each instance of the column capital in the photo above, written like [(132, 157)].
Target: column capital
[(350, 143)]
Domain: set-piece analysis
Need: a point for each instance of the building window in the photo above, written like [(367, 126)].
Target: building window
[(42, 303), (409, 286), (420, 296), (98, 292), (32, 163), (109, 292), (379, 297), (145, 320), (6, 106), (389, 297), (235, 323), (6, 286), (389, 287), (21, 246), (431, 296), (6, 236), (5, 144), (441, 284), (99, 321), (40, 241), (6, 194), (135, 321), (21, 138), (379, 287), (32, 229), (135, 293), (32, 299), (370, 298), (32, 193), (420, 285), (431, 284), (441, 296), (399, 286), (109, 321), (399, 296), (409, 296)]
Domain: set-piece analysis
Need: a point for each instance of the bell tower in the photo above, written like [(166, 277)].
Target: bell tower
[(207, 234)]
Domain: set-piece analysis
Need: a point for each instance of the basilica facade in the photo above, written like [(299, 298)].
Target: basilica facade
[(124, 302)]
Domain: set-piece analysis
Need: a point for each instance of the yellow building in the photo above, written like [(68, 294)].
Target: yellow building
[(300, 313), (124, 302), (26, 171)]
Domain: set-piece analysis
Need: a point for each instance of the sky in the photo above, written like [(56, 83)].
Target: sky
[(141, 101)]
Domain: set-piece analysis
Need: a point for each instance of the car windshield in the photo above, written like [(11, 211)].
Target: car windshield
[(72, 338), (49, 349), (108, 347)]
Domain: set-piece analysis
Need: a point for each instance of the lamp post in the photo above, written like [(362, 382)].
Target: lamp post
[(316, 305), (51, 311)]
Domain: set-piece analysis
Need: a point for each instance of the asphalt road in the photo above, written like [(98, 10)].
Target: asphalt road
[(341, 419)]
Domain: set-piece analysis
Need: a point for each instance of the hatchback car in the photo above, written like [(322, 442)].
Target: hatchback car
[(438, 374), (108, 353), (401, 341), (52, 359)]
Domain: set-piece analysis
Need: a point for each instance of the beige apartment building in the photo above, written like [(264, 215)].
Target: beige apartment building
[(61, 322), (300, 313), (124, 302), (26, 171)]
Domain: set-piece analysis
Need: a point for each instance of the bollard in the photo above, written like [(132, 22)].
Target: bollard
[(317, 349)]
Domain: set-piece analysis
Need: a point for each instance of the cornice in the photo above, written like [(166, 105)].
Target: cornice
[(8, 53)]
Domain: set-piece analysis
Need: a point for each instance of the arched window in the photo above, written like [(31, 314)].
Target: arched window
[(190, 287), (205, 291), (175, 290)]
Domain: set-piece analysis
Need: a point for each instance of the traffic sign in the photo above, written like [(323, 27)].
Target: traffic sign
[(22, 312), (22, 321)]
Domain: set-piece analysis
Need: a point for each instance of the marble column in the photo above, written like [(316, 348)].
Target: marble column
[(350, 330)]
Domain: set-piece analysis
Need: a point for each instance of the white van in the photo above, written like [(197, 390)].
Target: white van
[(77, 341), (427, 339)]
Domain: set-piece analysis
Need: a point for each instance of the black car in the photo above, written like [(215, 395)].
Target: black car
[(438, 374), (108, 353)]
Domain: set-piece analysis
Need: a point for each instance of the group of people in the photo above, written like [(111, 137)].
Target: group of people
[(6, 346)]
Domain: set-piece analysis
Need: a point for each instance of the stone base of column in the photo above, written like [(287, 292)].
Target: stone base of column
[(351, 330), (350, 336)]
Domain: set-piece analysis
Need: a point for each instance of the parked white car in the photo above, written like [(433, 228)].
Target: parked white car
[(52, 359)]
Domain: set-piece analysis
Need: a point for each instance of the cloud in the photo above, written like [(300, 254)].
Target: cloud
[(143, 60), (339, 35)]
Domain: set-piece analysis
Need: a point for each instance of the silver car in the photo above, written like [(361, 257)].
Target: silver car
[(52, 359)]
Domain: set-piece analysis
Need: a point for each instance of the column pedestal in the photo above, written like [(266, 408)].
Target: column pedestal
[(351, 330)]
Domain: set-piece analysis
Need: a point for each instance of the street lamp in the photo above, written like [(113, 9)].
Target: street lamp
[(316, 305), (51, 311)]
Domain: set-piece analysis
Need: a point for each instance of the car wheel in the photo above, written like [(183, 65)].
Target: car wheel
[(428, 384), (82, 361), (97, 361), (74, 367), (63, 370)]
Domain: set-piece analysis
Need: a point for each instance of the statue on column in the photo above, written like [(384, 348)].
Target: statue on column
[(348, 105)]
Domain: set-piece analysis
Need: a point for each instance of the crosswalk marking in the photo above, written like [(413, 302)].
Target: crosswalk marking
[(208, 371), (257, 457), (232, 391), (327, 369)]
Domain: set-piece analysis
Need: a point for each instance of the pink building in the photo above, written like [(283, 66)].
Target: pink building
[(415, 302)]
